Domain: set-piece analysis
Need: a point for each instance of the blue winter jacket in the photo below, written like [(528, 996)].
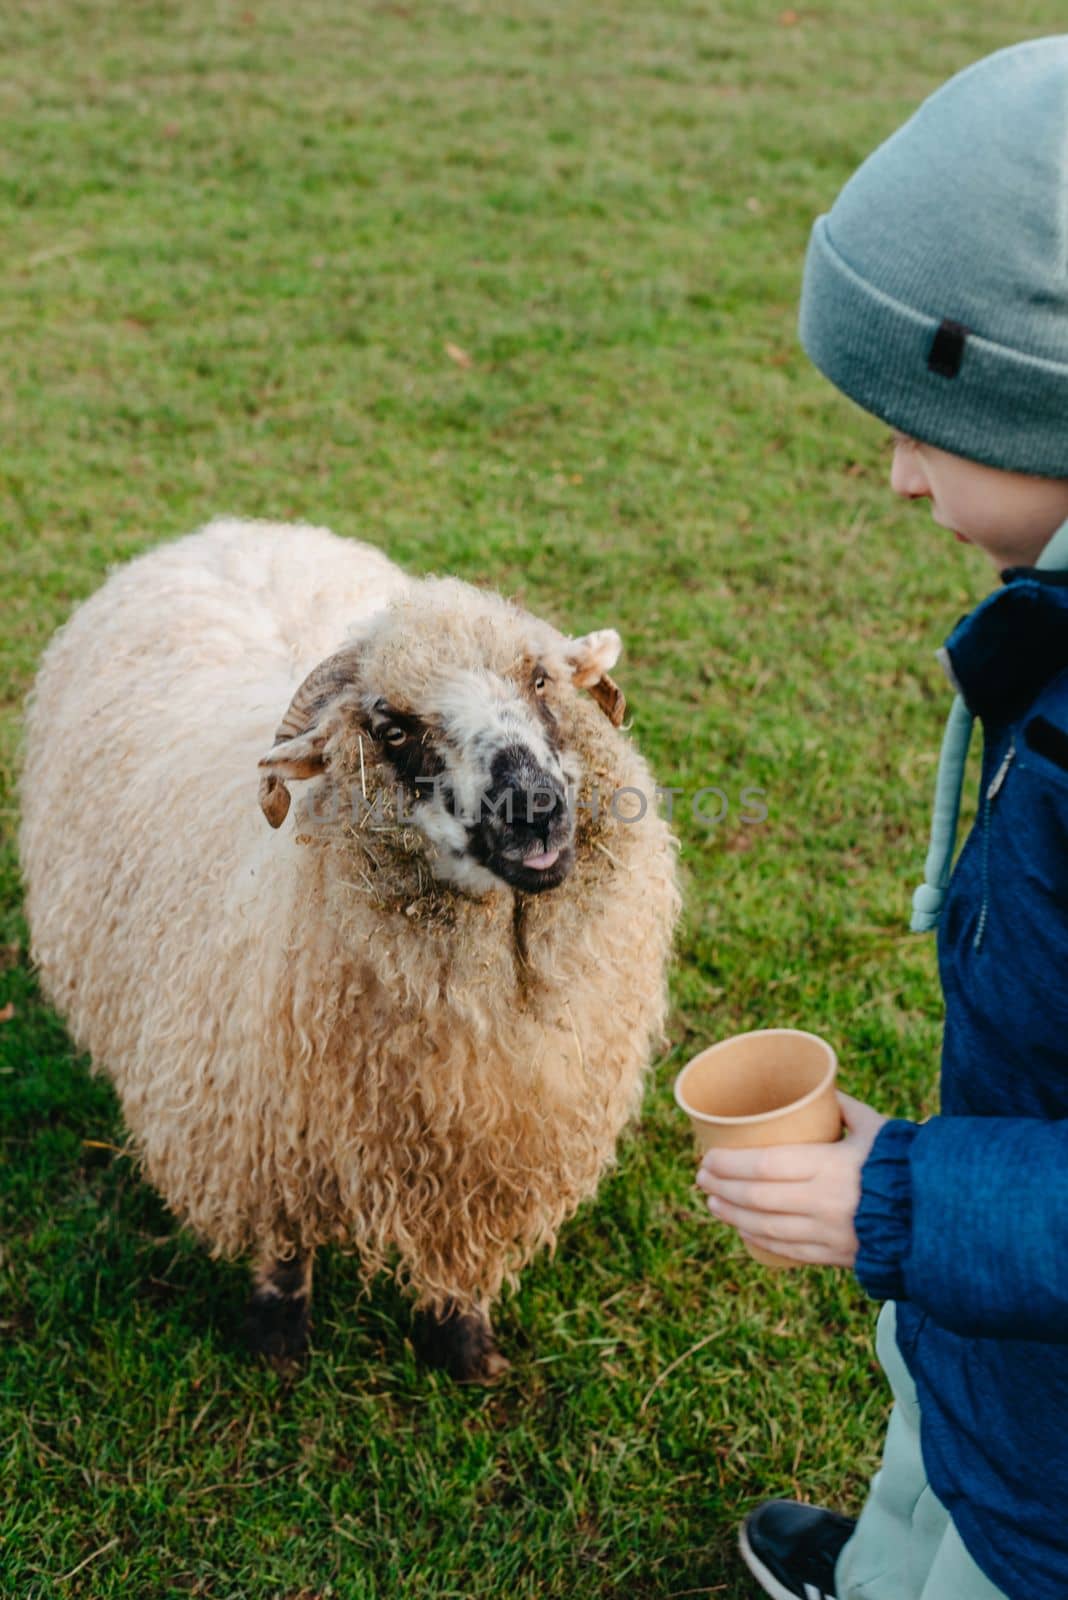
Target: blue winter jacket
[(963, 1220)]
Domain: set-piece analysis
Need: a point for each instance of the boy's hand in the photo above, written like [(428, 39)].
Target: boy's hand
[(795, 1199)]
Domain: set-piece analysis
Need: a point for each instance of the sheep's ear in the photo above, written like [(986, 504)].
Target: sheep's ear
[(293, 758), (590, 659), (301, 737)]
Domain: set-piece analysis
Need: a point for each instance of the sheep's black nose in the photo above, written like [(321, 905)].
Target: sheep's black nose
[(525, 799), (538, 810), (532, 809)]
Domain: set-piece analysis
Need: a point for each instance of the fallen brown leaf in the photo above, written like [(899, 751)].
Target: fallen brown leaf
[(456, 353), (7, 1012)]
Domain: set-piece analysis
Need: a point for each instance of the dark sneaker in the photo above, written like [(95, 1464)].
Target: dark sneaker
[(792, 1550)]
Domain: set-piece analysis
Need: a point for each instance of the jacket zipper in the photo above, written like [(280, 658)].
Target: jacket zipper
[(993, 789)]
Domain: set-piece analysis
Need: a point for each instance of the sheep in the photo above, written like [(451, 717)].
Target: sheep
[(411, 1018)]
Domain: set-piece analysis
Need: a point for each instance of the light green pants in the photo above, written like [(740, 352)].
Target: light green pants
[(905, 1546)]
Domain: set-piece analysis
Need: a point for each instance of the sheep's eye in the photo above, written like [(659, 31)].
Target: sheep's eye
[(541, 683), (395, 735)]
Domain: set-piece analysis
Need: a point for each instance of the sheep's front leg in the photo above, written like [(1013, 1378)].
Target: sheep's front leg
[(277, 1319), (462, 1343)]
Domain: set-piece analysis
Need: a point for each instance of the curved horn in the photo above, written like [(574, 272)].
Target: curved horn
[(323, 684), (301, 736)]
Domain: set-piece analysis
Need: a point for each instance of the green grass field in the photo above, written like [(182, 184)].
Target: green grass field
[(239, 240)]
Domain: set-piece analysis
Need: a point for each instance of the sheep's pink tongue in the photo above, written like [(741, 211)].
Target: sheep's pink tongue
[(547, 858)]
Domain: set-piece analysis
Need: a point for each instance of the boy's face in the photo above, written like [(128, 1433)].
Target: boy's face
[(1010, 515)]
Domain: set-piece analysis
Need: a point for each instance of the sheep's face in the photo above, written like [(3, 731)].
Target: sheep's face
[(485, 777), (459, 697)]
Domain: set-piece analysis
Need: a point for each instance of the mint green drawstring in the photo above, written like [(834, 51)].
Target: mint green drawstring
[(928, 899)]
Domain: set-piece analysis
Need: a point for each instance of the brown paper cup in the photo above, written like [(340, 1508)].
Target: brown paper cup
[(774, 1086)]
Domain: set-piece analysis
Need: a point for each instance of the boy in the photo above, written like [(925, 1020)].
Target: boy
[(936, 296)]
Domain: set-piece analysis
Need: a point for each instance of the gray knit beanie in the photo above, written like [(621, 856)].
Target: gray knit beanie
[(936, 289)]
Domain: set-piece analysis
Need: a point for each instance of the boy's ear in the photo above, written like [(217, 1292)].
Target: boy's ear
[(589, 659)]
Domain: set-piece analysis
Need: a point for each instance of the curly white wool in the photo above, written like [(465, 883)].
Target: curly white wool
[(312, 1039)]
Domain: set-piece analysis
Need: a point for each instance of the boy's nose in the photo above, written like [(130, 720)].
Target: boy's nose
[(907, 476)]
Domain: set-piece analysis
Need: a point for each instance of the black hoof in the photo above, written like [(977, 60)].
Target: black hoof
[(277, 1325), (461, 1345)]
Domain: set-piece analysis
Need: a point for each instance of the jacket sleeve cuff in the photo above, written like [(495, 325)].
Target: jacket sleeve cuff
[(884, 1216)]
